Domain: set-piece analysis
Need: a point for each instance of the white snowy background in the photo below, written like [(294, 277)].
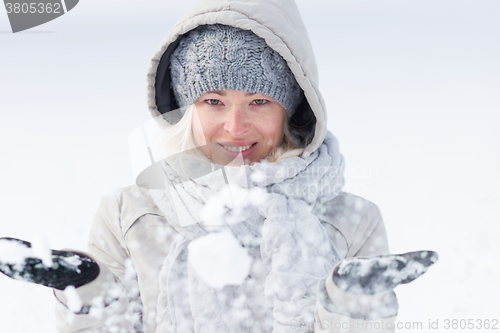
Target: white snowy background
[(413, 95)]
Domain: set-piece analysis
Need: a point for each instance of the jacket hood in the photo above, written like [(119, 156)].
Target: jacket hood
[(279, 23)]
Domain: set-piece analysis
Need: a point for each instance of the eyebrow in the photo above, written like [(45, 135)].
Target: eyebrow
[(223, 93), (218, 92)]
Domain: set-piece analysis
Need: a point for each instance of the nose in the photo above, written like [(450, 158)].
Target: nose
[(237, 122)]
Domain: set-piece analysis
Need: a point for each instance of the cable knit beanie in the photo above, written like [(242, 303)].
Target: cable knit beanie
[(220, 57)]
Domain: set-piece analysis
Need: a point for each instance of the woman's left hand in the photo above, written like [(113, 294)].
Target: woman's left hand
[(368, 276)]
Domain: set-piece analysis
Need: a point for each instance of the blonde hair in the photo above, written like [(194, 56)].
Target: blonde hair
[(178, 137)]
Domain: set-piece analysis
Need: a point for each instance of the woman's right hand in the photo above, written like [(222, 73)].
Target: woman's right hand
[(68, 268)]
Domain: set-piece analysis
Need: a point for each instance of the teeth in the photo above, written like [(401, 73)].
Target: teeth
[(237, 149)]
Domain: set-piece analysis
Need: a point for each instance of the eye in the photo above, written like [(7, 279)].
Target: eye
[(260, 101), (213, 101)]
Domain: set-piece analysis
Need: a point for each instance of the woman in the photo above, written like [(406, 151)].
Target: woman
[(234, 89)]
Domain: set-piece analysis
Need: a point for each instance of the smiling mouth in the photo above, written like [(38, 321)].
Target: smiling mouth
[(238, 149)]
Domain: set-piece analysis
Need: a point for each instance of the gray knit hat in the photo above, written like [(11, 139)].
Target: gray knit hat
[(220, 57)]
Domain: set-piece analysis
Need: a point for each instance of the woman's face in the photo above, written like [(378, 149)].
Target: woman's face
[(237, 126)]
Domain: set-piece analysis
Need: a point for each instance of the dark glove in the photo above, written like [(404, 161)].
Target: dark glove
[(68, 268), (367, 276)]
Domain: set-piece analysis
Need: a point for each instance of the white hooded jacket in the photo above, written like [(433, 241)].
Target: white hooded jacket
[(130, 236)]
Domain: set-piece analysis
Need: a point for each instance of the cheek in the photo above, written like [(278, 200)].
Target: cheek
[(202, 133), (198, 133), (272, 130)]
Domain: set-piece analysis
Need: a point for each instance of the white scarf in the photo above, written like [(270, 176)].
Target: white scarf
[(290, 248)]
